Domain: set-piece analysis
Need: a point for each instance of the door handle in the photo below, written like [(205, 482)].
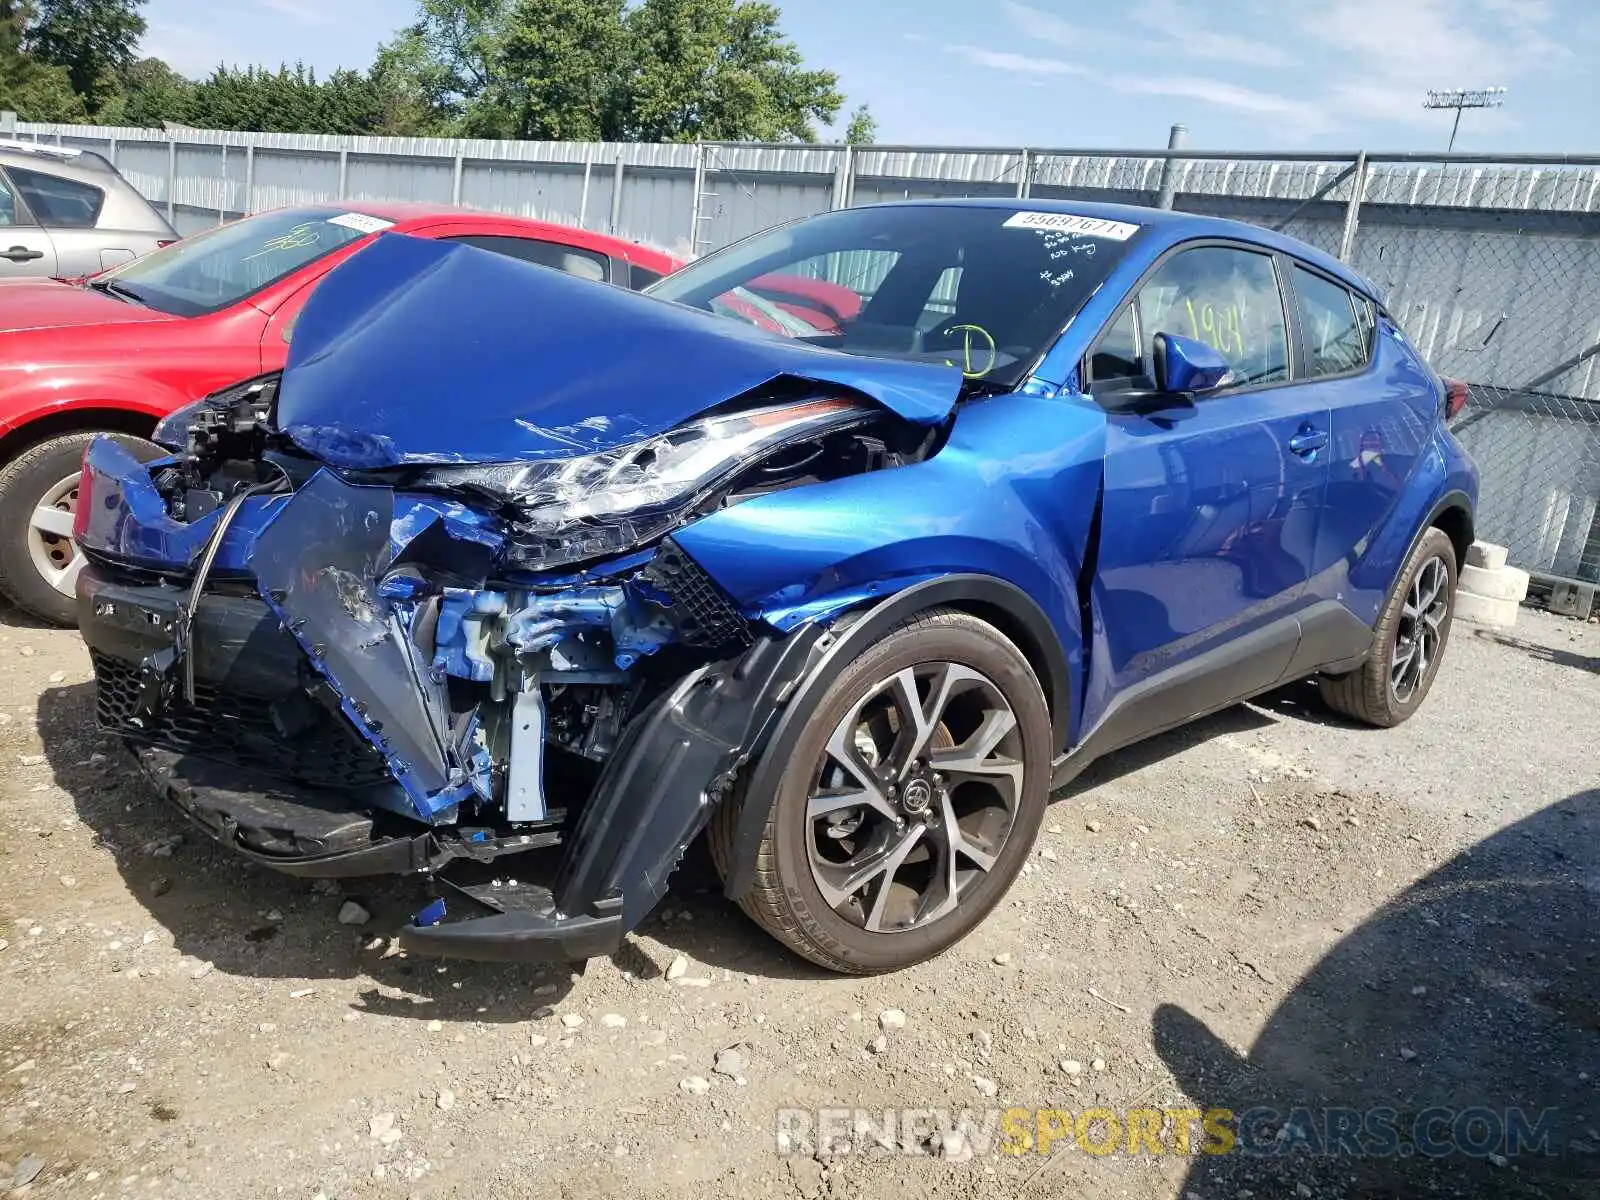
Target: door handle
[(1308, 441), (22, 254)]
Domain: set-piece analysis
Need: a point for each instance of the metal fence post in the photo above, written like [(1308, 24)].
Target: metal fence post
[(456, 170), (344, 172), (843, 171), (172, 176), (583, 200), (222, 206), (696, 203), (1352, 208), (249, 178), (1025, 180), (1169, 167), (616, 194), (111, 151)]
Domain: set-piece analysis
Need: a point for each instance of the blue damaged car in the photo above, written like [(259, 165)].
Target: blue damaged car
[(844, 546)]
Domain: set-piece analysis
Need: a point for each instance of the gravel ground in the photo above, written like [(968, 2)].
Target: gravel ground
[(1268, 908)]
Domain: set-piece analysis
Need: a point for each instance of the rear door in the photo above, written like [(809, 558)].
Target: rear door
[(1211, 504), (1383, 407), (25, 248)]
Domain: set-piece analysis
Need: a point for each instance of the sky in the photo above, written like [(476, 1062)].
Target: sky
[(1241, 74)]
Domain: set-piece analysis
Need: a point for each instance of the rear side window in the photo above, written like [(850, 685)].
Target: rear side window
[(570, 260), (642, 277), (64, 203), (1337, 328)]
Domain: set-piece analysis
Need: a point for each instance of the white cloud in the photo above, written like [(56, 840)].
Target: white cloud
[(187, 50), (1042, 26), (296, 10), (1183, 33), (1385, 54), (1301, 118), (1022, 64)]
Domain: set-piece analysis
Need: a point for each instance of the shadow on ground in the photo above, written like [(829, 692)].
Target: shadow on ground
[(1468, 1004), (250, 921)]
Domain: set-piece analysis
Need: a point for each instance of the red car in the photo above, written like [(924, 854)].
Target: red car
[(117, 352)]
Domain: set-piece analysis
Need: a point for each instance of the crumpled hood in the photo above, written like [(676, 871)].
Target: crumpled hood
[(419, 351)]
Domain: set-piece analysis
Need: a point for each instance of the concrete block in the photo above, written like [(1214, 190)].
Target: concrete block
[(1572, 600), (1507, 583), (1480, 610), (1486, 555)]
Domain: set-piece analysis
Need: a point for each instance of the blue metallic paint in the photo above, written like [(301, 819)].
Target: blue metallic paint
[(555, 366), (1011, 494)]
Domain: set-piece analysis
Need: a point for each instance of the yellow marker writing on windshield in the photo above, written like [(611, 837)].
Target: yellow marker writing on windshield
[(302, 235), (989, 348)]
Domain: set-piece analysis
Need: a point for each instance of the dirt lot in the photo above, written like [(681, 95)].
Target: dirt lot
[(1270, 908)]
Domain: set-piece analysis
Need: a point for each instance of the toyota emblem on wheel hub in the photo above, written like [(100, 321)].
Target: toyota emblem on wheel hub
[(917, 796)]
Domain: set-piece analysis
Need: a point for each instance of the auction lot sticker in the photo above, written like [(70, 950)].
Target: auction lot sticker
[(1116, 231)]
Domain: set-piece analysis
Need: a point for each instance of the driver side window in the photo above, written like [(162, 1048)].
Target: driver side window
[(1220, 295)]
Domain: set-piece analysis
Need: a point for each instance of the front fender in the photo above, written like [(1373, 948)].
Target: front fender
[(1011, 497), (34, 397)]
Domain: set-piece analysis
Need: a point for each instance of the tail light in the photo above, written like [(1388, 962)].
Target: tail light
[(163, 243), (1455, 398)]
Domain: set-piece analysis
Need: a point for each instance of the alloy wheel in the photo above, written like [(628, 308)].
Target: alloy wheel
[(1420, 630), (50, 536), (914, 797)]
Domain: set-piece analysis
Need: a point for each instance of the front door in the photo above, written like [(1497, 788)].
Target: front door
[(1211, 502)]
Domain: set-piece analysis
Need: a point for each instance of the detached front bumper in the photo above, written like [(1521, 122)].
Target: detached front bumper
[(270, 762)]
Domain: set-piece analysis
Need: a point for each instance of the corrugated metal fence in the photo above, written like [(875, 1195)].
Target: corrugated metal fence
[(1491, 264)]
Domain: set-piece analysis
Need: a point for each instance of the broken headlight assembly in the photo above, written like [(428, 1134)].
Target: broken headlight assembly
[(239, 407), (570, 510)]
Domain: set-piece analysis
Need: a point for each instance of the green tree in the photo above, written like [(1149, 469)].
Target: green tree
[(33, 90), (615, 70), (149, 93), (720, 70), (93, 40), (863, 128)]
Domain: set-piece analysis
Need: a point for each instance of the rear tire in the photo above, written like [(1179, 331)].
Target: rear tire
[(38, 493), (962, 835), (1408, 644)]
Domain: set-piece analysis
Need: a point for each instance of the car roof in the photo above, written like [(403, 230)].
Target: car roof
[(1173, 227), (62, 160), (411, 213)]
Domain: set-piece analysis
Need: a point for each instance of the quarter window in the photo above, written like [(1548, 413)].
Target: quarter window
[(1118, 357), (1338, 339), (1227, 298)]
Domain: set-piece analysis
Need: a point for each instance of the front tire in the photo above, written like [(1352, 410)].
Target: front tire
[(914, 797), (39, 564), (1408, 644)]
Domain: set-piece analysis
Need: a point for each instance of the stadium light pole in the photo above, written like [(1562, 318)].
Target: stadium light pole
[(1463, 98)]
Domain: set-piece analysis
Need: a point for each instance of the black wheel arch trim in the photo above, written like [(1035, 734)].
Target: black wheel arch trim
[(1455, 498), (1011, 610)]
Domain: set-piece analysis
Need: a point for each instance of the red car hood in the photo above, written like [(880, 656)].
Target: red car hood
[(46, 304)]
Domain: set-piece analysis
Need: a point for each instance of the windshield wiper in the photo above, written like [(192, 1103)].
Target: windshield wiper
[(120, 290)]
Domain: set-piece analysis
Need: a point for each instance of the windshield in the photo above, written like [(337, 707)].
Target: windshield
[(222, 266), (983, 288)]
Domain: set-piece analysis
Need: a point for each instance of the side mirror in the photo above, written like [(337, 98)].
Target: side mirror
[(1187, 365)]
